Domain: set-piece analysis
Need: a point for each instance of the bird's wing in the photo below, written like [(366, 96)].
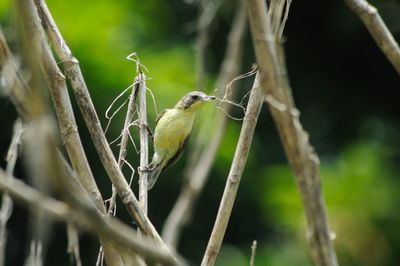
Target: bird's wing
[(178, 154), (160, 115), (153, 176)]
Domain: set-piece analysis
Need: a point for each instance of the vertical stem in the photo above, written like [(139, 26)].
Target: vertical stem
[(253, 253), (300, 153), (197, 170), (7, 203), (124, 142), (232, 183), (144, 148)]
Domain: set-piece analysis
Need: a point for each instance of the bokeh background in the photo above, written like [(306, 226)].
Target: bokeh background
[(346, 90)]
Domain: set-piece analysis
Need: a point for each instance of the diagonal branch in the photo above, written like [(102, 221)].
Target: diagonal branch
[(377, 28), (74, 74), (301, 156), (13, 85), (110, 229), (123, 143), (232, 183), (196, 172), (68, 128)]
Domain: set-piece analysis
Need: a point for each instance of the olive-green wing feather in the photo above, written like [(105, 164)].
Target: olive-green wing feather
[(159, 116), (178, 154), (153, 176)]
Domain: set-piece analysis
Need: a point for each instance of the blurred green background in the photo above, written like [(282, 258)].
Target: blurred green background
[(346, 90)]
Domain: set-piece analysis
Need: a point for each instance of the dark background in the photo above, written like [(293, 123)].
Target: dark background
[(345, 88)]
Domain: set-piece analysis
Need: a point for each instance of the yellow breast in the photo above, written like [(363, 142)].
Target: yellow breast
[(172, 129)]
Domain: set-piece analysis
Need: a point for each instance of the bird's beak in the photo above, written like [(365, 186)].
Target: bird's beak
[(208, 98)]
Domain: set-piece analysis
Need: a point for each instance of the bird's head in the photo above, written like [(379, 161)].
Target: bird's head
[(193, 101)]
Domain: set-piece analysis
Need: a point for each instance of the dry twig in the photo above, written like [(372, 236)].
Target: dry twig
[(68, 129), (13, 85), (232, 184), (124, 141), (110, 229), (74, 74), (144, 145), (6, 202), (253, 253), (302, 158), (378, 30), (196, 172), (207, 12)]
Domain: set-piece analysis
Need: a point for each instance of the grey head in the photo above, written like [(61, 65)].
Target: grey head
[(193, 100)]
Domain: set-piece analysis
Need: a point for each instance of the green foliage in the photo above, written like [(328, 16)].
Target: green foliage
[(361, 195)]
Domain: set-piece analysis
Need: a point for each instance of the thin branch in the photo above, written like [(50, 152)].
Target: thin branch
[(124, 142), (66, 119), (301, 156), (6, 202), (253, 253), (197, 171), (144, 145), (73, 244), (13, 84), (377, 28), (207, 12), (74, 74), (232, 184), (69, 132), (110, 229), (34, 257)]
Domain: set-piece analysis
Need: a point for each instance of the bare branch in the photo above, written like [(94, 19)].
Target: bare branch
[(111, 229), (6, 202), (74, 74), (196, 172), (124, 141), (13, 84), (69, 132), (302, 158), (144, 145), (232, 184), (73, 244), (207, 12), (378, 30), (253, 253)]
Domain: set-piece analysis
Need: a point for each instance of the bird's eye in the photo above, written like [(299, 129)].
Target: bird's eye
[(195, 97)]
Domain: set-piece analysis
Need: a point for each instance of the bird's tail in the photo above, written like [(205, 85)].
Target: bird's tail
[(153, 175)]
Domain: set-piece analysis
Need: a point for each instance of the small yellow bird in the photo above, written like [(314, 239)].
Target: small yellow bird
[(173, 128)]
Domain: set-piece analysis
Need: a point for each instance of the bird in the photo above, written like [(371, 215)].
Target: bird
[(172, 131)]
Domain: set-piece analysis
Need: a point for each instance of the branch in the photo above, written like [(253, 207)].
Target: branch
[(74, 74), (7, 203), (196, 173), (124, 142), (301, 156), (110, 229), (68, 128), (207, 12), (377, 28), (144, 145), (121, 157), (232, 184), (13, 85), (253, 253)]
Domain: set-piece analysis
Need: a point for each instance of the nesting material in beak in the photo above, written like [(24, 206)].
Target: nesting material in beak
[(209, 98)]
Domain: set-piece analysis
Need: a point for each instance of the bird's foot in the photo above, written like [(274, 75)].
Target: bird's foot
[(147, 127), (149, 132), (145, 169)]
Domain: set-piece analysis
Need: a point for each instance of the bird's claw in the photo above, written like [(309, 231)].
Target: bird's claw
[(144, 169)]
